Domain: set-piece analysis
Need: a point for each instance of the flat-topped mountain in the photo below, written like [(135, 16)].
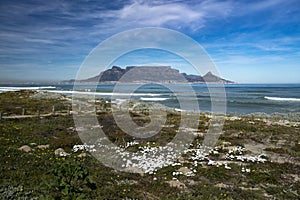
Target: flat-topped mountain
[(152, 74)]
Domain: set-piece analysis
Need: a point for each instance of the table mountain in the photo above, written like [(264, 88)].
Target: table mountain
[(152, 74)]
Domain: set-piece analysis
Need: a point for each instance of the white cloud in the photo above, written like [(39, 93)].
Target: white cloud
[(176, 15), (158, 15)]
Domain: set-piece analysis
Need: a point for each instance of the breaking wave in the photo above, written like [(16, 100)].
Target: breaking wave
[(153, 99), (8, 89), (101, 93), (282, 99)]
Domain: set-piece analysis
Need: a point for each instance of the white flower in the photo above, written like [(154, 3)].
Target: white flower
[(215, 152), (226, 166), (63, 154), (211, 162)]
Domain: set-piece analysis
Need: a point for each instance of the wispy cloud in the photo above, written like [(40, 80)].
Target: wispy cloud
[(175, 14), (158, 15)]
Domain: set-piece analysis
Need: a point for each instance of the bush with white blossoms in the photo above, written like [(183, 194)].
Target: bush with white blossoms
[(149, 158), (129, 144), (81, 147), (247, 158)]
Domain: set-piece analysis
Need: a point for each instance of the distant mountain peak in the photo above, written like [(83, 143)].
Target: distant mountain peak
[(116, 68), (209, 77), (209, 74)]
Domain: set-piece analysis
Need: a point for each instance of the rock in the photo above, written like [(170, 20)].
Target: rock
[(222, 185), (82, 155), (46, 146), (25, 148), (230, 148), (191, 182), (199, 134), (71, 130), (182, 160), (226, 144), (250, 189), (255, 148), (134, 170), (281, 142), (168, 126), (184, 170), (234, 118), (60, 152), (176, 183)]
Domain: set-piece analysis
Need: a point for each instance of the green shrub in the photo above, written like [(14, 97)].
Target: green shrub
[(72, 180)]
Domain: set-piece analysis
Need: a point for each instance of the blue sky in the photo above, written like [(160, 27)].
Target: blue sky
[(249, 41)]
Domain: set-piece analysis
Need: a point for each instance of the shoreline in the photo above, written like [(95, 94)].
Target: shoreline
[(65, 94)]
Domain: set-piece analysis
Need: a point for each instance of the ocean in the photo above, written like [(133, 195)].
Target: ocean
[(240, 98)]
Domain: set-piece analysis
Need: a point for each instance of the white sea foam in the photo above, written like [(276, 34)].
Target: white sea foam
[(282, 99), (87, 92), (7, 89), (101, 93), (179, 110), (119, 101), (153, 99)]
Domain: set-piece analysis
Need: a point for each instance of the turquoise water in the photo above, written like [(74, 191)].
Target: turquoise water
[(240, 98)]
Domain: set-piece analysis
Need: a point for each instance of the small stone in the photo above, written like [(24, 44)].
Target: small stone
[(200, 134), (25, 148), (71, 130), (60, 152), (222, 185), (184, 170), (46, 146), (176, 183), (231, 149), (234, 118), (82, 155), (182, 160), (134, 170), (191, 182), (226, 144)]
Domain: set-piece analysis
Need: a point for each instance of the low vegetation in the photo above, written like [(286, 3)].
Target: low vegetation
[(42, 157)]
